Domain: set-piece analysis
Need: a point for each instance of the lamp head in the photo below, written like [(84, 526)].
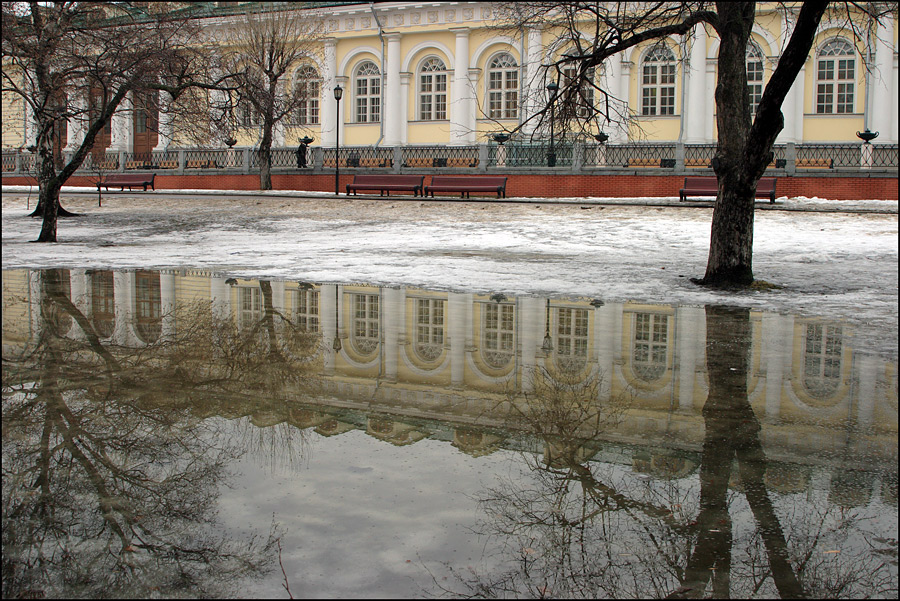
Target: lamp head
[(338, 92)]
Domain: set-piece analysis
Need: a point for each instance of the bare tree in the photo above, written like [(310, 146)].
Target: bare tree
[(99, 52), (263, 47), (596, 31)]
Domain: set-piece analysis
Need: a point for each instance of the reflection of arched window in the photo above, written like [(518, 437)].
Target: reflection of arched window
[(822, 351), (755, 74), (651, 341), (308, 84), (835, 77), (571, 338), (368, 93), (147, 297), (503, 87), (366, 326), (103, 313), (658, 82), (381, 425), (497, 341), (59, 320), (433, 90), (249, 306), (429, 328), (305, 307)]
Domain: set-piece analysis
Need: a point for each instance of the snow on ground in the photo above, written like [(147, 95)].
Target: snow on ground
[(836, 265)]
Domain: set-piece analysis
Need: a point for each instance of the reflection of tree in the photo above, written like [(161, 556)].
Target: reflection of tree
[(110, 482), (567, 527)]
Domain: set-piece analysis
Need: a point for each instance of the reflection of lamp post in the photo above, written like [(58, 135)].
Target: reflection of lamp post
[(552, 88), (548, 341), (867, 151), (601, 148), (337, 338), (501, 150), (338, 92)]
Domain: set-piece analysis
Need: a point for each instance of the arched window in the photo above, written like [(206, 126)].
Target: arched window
[(835, 77), (650, 345), (433, 90), (755, 74), (822, 353), (578, 101), (429, 328), (503, 87), (366, 326), (571, 339), (658, 82), (103, 301), (368, 93), (147, 301), (308, 89), (498, 334)]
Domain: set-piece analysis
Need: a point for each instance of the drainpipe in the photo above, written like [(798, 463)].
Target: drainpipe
[(383, 75)]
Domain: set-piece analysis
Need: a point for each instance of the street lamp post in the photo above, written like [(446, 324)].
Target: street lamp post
[(338, 92), (552, 88)]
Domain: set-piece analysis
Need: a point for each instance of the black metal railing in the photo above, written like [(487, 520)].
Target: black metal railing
[(459, 157), (360, 157)]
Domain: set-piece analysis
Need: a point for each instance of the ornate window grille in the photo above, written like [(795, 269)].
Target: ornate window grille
[(433, 90), (368, 93), (503, 87), (835, 78), (658, 82)]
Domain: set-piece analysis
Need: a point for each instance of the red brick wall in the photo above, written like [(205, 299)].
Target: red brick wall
[(537, 185)]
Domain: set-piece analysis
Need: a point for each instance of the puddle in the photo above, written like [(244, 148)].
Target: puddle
[(181, 434)]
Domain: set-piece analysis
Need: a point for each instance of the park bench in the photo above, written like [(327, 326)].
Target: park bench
[(466, 184), (127, 180), (815, 163), (709, 186), (385, 184)]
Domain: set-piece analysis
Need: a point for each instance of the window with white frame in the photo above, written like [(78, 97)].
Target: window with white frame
[(571, 339), (309, 86), (755, 73), (658, 82), (498, 334), (305, 309), (429, 328), (368, 93), (433, 90), (650, 345), (822, 353), (249, 306), (578, 101), (835, 77), (366, 322), (503, 87)]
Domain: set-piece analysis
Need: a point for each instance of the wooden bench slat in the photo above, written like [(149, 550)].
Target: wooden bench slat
[(128, 180), (387, 183), (466, 184), (709, 186)]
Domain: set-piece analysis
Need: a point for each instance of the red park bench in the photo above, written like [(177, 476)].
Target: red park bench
[(385, 184), (127, 180), (709, 186), (466, 184)]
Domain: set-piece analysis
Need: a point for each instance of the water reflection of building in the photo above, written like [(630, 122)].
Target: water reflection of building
[(453, 356)]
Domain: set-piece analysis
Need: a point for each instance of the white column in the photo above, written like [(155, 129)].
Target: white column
[(166, 129), (792, 108), (694, 110), (460, 91), (532, 85), (531, 330), (618, 107), (394, 120), (76, 123), (328, 304), (79, 286), (867, 376), (604, 324), (342, 108), (393, 315), (122, 126), (405, 78), (777, 338), (624, 93), (123, 286), (709, 126), (883, 117), (220, 295), (690, 322), (457, 326), (167, 305), (327, 115), (30, 127)]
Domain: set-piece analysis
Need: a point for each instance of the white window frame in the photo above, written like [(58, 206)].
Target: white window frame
[(836, 78), (659, 76), (431, 90), (756, 73), (502, 95), (367, 93), (309, 88)]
